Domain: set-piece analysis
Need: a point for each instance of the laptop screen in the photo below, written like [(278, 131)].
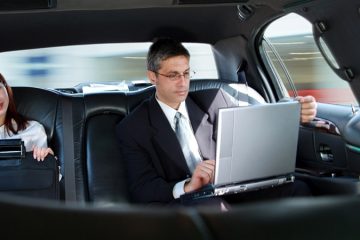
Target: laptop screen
[(256, 142)]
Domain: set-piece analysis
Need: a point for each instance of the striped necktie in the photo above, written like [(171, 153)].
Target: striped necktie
[(183, 131)]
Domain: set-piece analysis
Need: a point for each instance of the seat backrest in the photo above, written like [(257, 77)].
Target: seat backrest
[(97, 165), (99, 171), (100, 151), (105, 172), (40, 105), (21, 220), (290, 218), (105, 176)]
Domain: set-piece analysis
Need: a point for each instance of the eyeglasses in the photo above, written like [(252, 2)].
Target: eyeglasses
[(177, 76), (2, 85)]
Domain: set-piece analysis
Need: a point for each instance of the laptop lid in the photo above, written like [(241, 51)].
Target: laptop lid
[(256, 142)]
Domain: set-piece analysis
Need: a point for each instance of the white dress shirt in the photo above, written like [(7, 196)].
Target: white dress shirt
[(170, 115)]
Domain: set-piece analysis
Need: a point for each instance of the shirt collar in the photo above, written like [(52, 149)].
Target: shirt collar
[(170, 112)]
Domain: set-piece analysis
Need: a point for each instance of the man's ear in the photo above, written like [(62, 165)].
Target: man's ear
[(151, 76)]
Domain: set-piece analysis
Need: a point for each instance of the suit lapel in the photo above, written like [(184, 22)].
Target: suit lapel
[(164, 136)]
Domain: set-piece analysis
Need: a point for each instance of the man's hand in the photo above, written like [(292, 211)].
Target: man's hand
[(203, 174), (308, 108)]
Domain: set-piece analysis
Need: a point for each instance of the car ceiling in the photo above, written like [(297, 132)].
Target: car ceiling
[(104, 21), (74, 22)]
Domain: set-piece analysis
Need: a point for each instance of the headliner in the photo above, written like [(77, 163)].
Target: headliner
[(128, 21)]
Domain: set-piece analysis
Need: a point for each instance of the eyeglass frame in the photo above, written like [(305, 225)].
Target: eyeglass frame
[(177, 76)]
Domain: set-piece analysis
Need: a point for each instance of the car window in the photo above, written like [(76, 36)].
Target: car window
[(297, 65), (95, 65)]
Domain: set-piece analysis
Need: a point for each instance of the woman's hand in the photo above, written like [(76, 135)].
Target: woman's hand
[(40, 153)]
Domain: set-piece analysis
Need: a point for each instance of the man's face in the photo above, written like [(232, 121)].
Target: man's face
[(169, 89)]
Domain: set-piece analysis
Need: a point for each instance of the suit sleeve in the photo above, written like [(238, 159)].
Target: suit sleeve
[(144, 182)]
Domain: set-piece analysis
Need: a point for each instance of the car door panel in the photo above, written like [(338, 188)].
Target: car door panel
[(320, 146), (324, 159)]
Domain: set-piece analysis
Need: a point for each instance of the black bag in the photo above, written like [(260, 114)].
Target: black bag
[(21, 174), (11, 149)]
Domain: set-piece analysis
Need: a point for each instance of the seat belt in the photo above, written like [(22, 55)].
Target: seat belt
[(242, 80), (68, 140)]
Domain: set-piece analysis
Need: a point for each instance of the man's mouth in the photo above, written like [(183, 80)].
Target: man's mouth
[(183, 92)]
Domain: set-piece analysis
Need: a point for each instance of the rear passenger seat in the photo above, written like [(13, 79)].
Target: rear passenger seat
[(98, 178), (105, 176), (95, 172)]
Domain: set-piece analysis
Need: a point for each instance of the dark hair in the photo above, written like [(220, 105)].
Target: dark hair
[(11, 112), (162, 49)]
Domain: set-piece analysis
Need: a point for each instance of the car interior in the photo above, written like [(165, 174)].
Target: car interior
[(93, 198)]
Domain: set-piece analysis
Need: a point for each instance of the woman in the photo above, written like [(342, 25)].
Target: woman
[(14, 125)]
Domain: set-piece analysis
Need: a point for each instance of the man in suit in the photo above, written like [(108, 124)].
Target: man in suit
[(158, 168)]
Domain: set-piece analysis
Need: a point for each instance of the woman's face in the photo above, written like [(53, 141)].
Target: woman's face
[(4, 103)]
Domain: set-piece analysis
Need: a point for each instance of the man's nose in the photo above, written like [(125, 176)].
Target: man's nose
[(182, 79)]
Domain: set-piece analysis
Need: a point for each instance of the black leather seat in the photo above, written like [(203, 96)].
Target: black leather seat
[(99, 178), (99, 150), (296, 219), (97, 166), (104, 168), (40, 105), (53, 220), (96, 162)]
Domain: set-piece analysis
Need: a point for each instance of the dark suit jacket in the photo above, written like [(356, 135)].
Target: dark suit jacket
[(151, 152)]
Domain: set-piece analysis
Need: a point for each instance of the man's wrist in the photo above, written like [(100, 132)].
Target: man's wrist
[(179, 188), (187, 186)]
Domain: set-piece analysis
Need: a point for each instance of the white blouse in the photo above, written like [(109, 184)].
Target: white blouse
[(33, 135)]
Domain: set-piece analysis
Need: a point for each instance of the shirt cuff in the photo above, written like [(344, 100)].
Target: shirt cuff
[(178, 189)]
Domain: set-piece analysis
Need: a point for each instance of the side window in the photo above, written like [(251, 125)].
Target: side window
[(292, 57)]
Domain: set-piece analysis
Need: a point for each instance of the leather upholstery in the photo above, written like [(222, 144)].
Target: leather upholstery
[(297, 219), (38, 104), (101, 155), (99, 175), (51, 220), (100, 178)]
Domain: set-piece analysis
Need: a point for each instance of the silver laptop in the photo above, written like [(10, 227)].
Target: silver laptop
[(256, 148)]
